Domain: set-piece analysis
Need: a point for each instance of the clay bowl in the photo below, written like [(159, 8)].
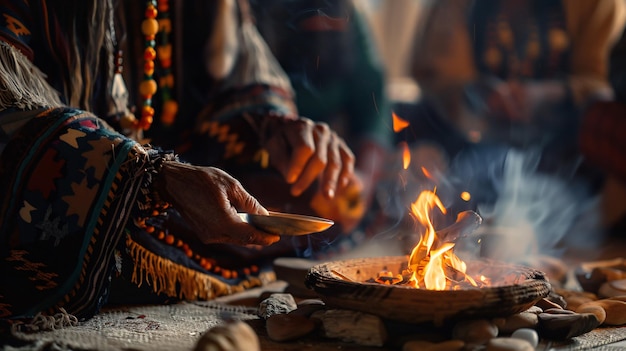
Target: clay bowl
[(343, 284)]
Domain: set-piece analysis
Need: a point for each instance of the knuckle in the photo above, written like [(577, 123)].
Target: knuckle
[(306, 123), (323, 127)]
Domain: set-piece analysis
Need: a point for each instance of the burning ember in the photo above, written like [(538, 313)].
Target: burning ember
[(433, 265), (398, 123)]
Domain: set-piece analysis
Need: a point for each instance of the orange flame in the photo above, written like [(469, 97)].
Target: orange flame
[(398, 123), (430, 259), (426, 173), (406, 155)]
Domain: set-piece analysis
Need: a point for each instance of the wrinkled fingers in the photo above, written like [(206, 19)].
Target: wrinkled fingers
[(317, 161), (346, 163), (301, 142)]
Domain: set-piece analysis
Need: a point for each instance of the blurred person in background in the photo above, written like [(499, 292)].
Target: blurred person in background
[(496, 75), (328, 52)]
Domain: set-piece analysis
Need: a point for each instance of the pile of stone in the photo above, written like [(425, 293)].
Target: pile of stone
[(549, 319)]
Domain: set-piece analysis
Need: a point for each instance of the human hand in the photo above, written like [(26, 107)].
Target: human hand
[(304, 151), (209, 199)]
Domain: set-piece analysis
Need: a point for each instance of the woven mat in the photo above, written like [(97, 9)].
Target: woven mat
[(178, 327), (154, 328), (597, 339)]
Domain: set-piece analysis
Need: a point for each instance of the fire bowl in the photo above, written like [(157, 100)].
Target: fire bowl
[(344, 284)]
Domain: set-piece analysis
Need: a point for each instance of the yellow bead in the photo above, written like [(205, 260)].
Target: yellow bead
[(164, 52), (149, 54), (127, 121), (170, 108), (163, 5), (148, 87), (148, 68), (149, 26), (147, 111), (167, 81)]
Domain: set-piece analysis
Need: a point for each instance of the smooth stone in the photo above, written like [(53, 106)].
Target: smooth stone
[(277, 303), (418, 345), (612, 288), (284, 327), (618, 298), (519, 320), (574, 301), (307, 310), (233, 336), (477, 331), (558, 311), (575, 298), (499, 322), (509, 344), (594, 308), (613, 273), (533, 309), (527, 334), (564, 326), (546, 304), (310, 302), (571, 293), (615, 311)]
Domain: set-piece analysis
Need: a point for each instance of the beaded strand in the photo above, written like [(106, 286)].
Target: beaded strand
[(164, 54), (151, 225), (148, 87)]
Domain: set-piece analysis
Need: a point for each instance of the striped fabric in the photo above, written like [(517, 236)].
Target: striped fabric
[(68, 186)]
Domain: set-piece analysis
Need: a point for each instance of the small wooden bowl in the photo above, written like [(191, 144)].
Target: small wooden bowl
[(343, 284)]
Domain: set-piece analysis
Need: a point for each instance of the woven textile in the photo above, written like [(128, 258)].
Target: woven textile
[(154, 327), (179, 326)]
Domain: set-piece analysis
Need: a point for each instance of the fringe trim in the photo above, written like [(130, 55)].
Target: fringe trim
[(41, 323), (175, 280), (22, 84)]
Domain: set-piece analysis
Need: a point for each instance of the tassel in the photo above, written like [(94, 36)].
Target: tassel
[(174, 280), (22, 84)]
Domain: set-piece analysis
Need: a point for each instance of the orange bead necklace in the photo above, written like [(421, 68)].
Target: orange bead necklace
[(157, 23)]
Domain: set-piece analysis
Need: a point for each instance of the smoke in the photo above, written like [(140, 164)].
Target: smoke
[(537, 213)]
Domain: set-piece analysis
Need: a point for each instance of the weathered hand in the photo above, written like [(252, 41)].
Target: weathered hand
[(208, 199), (304, 151)]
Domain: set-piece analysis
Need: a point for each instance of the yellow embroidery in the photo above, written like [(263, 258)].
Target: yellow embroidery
[(71, 137), (15, 26), (223, 135), (25, 212), (45, 279)]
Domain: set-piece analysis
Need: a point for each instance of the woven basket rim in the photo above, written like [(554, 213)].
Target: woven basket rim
[(410, 304)]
